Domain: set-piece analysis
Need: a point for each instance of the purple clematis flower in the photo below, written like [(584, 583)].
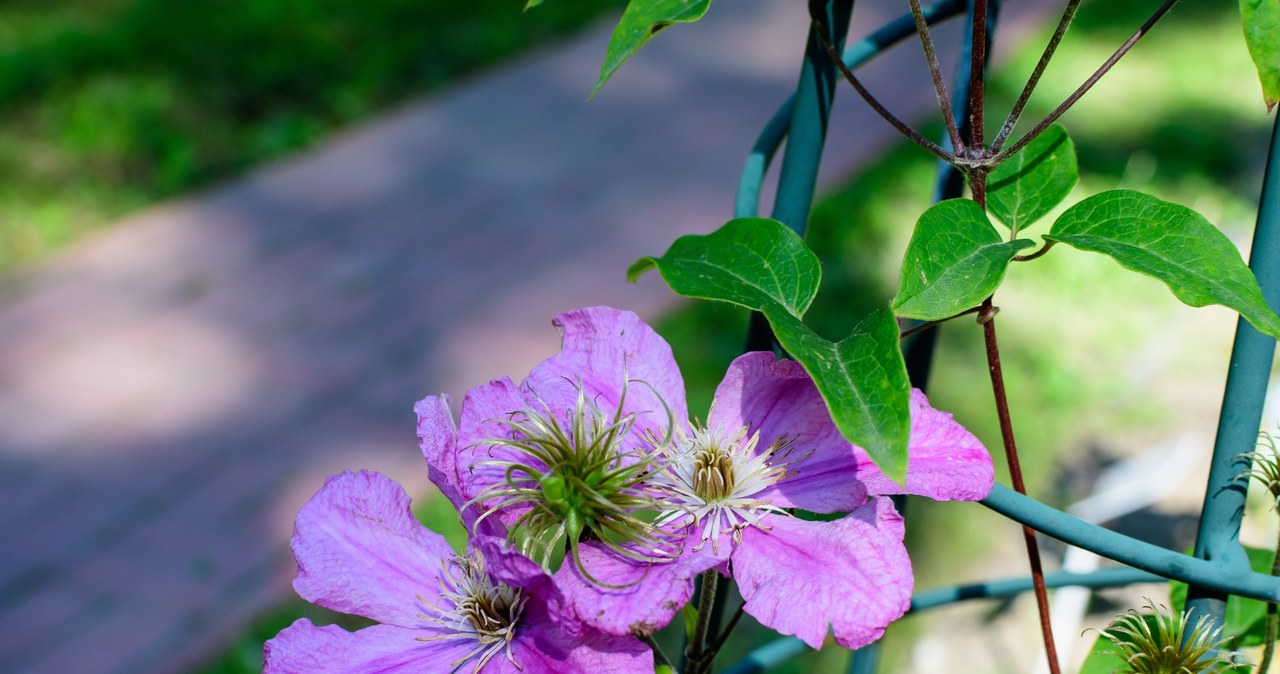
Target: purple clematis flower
[(724, 490), (360, 550)]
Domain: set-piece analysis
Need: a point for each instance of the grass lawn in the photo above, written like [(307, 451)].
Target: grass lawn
[(109, 105)]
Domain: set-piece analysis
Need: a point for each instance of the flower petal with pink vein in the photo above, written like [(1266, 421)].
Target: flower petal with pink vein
[(360, 550), (602, 349), (650, 594), (778, 399), (851, 575), (945, 462), (304, 648)]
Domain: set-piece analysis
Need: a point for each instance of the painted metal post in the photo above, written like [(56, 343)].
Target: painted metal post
[(1218, 540)]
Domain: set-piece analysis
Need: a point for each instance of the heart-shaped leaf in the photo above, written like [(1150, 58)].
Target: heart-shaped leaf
[(1026, 186), (761, 264), (1169, 242), (752, 262), (955, 259)]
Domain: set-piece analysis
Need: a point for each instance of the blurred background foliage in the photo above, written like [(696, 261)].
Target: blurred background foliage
[(109, 105)]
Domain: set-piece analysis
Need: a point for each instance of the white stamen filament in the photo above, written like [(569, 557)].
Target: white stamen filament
[(474, 607), (715, 477)]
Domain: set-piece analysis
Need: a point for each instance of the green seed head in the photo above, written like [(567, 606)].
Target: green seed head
[(579, 482), (1265, 466), (1157, 641)]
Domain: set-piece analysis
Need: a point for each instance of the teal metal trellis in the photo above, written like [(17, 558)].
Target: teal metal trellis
[(1218, 568)]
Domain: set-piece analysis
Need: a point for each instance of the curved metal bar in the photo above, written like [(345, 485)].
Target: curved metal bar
[(747, 203), (1218, 539), (1115, 576), (1228, 575), (780, 650)]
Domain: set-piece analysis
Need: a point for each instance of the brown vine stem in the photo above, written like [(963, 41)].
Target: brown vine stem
[(820, 29), (1015, 113), (935, 71), (1015, 476), (978, 184), (977, 71), (1088, 84), (1031, 256)]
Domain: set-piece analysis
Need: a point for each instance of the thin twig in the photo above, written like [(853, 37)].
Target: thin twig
[(1012, 120), (819, 29), (935, 71), (728, 629), (1088, 84), (977, 71), (1015, 476), (1031, 256)]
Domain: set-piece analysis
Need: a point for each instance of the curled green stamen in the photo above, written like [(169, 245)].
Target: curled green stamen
[(1158, 641), (579, 482)]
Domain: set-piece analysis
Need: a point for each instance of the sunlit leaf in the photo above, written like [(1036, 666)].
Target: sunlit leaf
[(639, 23), (955, 260), (1171, 243), (760, 264), (1262, 34), (751, 262), (1026, 186), (863, 379)]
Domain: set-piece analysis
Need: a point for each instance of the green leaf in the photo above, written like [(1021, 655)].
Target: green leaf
[(1171, 243), (1262, 34), (640, 22), (955, 260), (1245, 618), (751, 262), (762, 265), (863, 379), (1029, 184), (1102, 658)]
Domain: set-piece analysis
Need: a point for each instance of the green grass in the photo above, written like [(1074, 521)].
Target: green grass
[(109, 105)]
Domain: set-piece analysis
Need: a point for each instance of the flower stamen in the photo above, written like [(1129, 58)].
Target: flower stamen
[(578, 480), (473, 606), (716, 477)]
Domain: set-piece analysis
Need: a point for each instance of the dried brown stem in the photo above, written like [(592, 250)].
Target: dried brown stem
[(1088, 84), (935, 71), (1015, 113), (931, 147)]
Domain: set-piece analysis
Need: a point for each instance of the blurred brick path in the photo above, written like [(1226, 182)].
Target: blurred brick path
[(172, 390)]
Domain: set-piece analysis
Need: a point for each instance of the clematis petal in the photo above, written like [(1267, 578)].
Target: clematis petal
[(512, 568), (360, 550), (304, 648), (540, 646), (852, 575), (438, 439), (945, 462), (778, 399), (484, 409), (644, 597), (603, 349)]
